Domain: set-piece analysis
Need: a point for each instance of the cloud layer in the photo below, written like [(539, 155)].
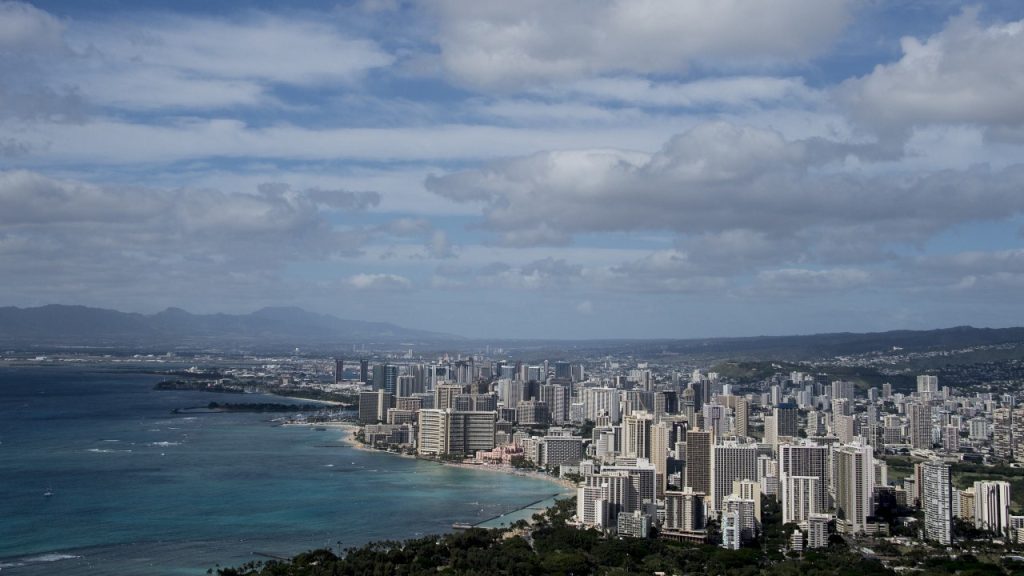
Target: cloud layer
[(609, 168)]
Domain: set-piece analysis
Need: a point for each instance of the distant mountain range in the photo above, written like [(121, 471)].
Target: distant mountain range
[(59, 325), (281, 329)]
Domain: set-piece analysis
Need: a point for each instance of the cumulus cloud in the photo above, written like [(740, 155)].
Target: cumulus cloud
[(379, 282), (72, 235), (499, 45), (726, 189), (966, 73)]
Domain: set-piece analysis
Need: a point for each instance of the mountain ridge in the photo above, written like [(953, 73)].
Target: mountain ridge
[(71, 325)]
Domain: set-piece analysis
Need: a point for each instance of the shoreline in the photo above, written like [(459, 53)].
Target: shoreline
[(568, 486)]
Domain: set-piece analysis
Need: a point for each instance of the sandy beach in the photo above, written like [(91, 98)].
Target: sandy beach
[(350, 439)]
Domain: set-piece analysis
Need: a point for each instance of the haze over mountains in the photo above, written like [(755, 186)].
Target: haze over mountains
[(283, 328), (60, 325)]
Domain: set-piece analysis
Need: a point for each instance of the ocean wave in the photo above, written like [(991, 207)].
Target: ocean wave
[(52, 557), (164, 443), (42, 558), (104, 450)]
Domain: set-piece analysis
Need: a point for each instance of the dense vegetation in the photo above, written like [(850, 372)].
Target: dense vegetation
[(553, 547)]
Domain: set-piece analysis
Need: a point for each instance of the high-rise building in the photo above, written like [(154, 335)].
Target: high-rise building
[(444, 395), (937, 502), (531, 413), (640, 489), (698, 460), (684, 511), (385, 377), (636, 435), (556, 396), (920, 414), (1017, 435), (739, 525), (927, 385), (786, 419), (1002, 434), (373, 406), (799, 498), (661, 434), (771, 430), (449, 432), (716, 419), (598, 401), (749, 490), (730, 461), (992, 506), (844, 427), (558, 450), (742, 417), (563, 370), (817, 530), (854, 485), (951, 438), (807, 459), (364, 371), (339, 370), (688, 406), (843, 389)]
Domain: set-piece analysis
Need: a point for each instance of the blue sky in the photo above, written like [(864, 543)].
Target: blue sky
[(539, 169)]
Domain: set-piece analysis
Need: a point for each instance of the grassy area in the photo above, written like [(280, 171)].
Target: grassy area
[(965, 475), (900, 466)]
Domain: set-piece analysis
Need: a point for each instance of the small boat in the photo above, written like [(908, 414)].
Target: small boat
[(48, 493)]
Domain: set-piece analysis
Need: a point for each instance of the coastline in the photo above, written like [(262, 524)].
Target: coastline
[(568, 486)]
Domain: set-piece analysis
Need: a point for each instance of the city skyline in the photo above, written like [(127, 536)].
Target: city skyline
[(544, 170)]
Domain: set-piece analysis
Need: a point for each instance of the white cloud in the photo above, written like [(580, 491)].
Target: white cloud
[(27, 31), (739, 183), (800, 280), (108, 141), (966, 73), (184, 62), (729, 91), (501, 45), (379, 282)]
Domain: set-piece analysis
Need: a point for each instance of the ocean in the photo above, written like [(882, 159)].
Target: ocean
[(136, 489)]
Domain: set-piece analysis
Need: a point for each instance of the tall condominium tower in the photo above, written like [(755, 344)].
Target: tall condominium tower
[(937, 502), (992, 506), (920, 424), (807, 460), (698, 460), (854, 485), (731, 461)]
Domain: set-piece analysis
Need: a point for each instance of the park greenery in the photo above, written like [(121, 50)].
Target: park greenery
[(553, 546)]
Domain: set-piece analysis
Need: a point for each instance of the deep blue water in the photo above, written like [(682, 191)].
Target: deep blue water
[(139, 490)]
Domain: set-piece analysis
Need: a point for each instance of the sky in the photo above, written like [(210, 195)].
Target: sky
[(531, 169)]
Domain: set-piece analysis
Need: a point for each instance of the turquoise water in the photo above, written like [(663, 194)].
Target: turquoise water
[(138, 490)]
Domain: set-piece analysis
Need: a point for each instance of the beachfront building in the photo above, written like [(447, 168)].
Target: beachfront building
[(454, 433)]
